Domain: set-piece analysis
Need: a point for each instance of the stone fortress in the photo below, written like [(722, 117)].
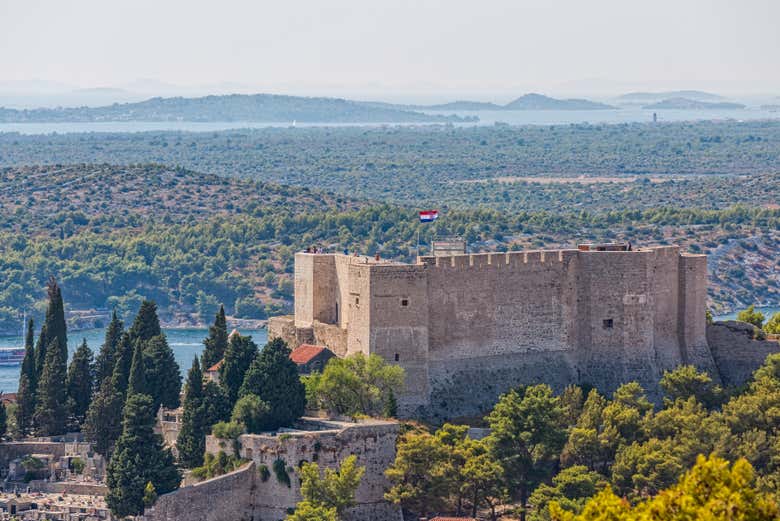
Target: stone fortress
[(468, 327)]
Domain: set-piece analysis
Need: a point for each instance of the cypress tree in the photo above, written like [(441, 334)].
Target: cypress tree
[(217, 341), (51, 410), (103, 423), (191, 442), (124, 360), (146, 324), (274, 378), (216, 405), (238, 356), (25, 396), (54, 330), (163, 379), (136, 382), (79, 382), (139, 458), (106, 358)]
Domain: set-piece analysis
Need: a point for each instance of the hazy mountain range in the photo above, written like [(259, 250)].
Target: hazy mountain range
[(234, 107)]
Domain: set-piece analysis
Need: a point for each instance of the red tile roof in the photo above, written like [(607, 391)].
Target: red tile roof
[(305, 352), (214, 368)]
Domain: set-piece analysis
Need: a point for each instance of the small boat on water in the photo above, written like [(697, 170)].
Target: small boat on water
[(11, 356)]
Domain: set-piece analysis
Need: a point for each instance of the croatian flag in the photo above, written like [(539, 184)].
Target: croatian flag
[(427, 216)]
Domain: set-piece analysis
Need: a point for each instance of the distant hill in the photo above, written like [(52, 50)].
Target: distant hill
[(525, 102), (235, 107), (539, 102), (648, 97), (689, 104)]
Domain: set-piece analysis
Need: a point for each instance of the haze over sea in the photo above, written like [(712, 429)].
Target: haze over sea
[(486, 117), (185, 343)]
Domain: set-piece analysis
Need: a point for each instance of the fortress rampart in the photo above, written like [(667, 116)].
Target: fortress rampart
[(469, 327)]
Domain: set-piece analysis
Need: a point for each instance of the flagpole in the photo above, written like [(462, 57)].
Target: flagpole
[(418, 241)]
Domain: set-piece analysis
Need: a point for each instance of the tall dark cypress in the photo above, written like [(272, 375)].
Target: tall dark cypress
[(139, 458), (136, 382), (124, 360), (191, 442), (54, 331), (216, 342), (146, 324), (79, 383), (51, 410), (238, 357), (106, 358), (103, 423), (25, 396), (163, 379)]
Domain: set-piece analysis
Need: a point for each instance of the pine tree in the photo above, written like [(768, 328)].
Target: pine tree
[(79, 382), (146, 324), (54, 329), (191, 442), (51, 410), (106, 358), (274, 378), (25, 396), (238, 356), (139, 458), (163, 378), (217, 341), (124, 361), (136, 382), (103, 423)]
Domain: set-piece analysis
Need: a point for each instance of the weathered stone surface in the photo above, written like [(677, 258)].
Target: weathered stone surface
[(736, 351), (224, 498), (469, 327)]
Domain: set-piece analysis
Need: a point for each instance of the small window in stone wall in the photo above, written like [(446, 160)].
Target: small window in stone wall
[(404, 302), (609, 323), (357, 301), (397, 357)]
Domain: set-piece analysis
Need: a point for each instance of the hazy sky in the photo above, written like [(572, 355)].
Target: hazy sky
[(397, 45)]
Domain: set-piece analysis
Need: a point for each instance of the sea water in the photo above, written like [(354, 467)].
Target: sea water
[(486, 117), (185, 343)]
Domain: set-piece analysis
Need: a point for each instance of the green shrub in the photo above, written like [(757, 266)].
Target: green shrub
[(280, 470)]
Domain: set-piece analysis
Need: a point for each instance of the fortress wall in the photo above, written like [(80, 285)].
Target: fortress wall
[(330, 336), (691, 313), (470, 387), (358, 307), (223, 498), (665, 288), (616, 287), (496, 304), (736, 352), (373, 444), (341, 289), (303, 280), (399, 325)]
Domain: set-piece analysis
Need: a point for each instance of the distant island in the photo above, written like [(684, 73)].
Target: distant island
[(539, 102), (689, 104), (530, 101), (649, 97), (235, 107)]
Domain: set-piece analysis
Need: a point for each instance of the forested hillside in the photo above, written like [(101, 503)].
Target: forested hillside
[(697, 162), (113, 235)]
